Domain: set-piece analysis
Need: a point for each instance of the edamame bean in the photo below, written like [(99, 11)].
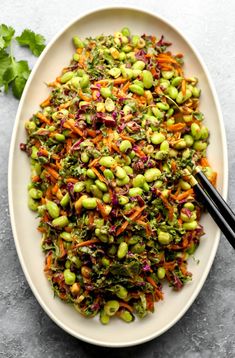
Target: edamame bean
[(196, 92), (184, 185), (139, 180), (78, 42), (34, 153), (157, 138), (167, 74), (138, 65), (89, 203), (66, 76), (122, 250), (109, 105), (199, 145), (172, 91), (164, 147), (152, 174), (59, 137), (188, 140), (108, 174), (123, 200), (196, 131), (204, 132), (96, 192), (128, 169), (65, 200), (190, 226), (138, 248), (122, 182), (32, 204), (115, 72), (189, 206), (120, 291), (35, 193), (104, 318), (126, 316), (147, 79), (137, 89), (161, 272), (60, 222), (101, 186), (66, 236), (79, 186), (180, 144), (84, 82), (85, 157), (90, 173), (120, 172), (125, 31), (135, 191), (163, 106), (111, 307), (125, 145), (106, 198), (52, 209), (105, 92), (69, 277), (176, 81), (76, 57), (30, 126), (107, 161), (75, 82), (135, 40), (164, 238)]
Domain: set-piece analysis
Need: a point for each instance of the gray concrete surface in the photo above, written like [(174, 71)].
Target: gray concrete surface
[(208, 328)]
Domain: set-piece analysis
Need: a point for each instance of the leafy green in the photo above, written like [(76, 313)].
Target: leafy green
[(5, 62), (6, 34), (15, 73), (35, 42)]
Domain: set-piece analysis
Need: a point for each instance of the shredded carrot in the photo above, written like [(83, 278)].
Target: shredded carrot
[(65, 105), (152, 282), (52, 172), (119, 80), (62, 249), (35, 179), (99, 175), (123, 136), (46, 102), (84, 97), (48, 262), (91, 133), (132, 217), (98, 138), (102, 210), (204, 162), (125, 87), (139, 152), (94, 162), (71, 180), (176, 127), (173, 166), (70, 124), (183, 87), (185, 194), (55, 188), (87, 243), (43, 118)]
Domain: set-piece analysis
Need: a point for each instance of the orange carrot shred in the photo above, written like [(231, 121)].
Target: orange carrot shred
[(87, 243)]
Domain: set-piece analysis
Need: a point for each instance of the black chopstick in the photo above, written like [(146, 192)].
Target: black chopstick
[(216, 214), (216, 197), (215, 204)]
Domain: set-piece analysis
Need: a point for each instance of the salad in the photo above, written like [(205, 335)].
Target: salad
[(108, 152)]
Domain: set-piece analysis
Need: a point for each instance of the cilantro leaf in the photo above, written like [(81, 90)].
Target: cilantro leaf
[(18, 86), (35, 42), (6, 34), (16, 74), (5, 62)]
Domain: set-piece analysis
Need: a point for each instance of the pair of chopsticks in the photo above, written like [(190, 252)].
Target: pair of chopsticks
[(215, 204)]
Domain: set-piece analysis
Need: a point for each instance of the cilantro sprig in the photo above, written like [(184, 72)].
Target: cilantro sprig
[(14, 73)]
